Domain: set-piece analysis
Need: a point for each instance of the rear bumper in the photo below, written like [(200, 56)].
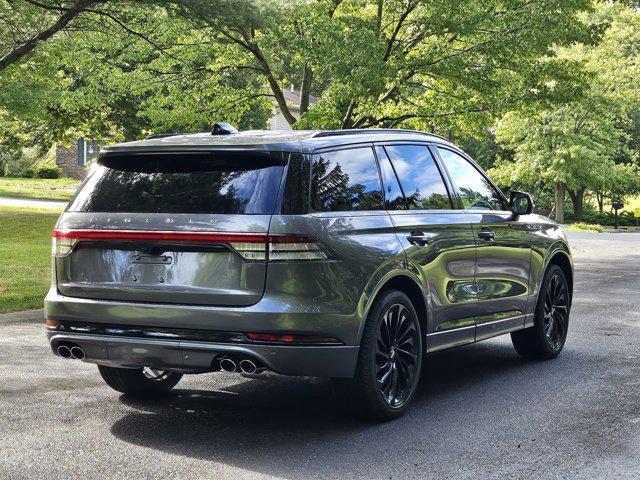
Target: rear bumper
[(187, 356), (190, 355), (269, 315)]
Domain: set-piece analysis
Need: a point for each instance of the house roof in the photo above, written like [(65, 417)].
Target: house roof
[(292, 97)]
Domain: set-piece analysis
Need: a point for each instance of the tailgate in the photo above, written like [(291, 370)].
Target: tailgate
[(181, 230)]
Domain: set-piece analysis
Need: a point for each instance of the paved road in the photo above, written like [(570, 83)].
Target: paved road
[(28, 202), (481, 411)]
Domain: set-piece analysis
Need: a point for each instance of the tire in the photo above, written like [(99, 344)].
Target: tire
[(139, 382), (382, 366), (546, 339)]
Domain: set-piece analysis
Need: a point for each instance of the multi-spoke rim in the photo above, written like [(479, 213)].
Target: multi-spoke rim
[(397, 355), (556, 312), (155, 374)]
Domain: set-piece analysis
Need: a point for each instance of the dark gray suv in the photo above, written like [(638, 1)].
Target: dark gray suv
[(340, 254)]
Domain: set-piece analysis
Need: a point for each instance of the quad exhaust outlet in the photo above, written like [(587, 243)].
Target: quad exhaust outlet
[(245, 365), (73, 352)]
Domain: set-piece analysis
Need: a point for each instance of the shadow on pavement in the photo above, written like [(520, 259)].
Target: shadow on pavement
[(287, 426)]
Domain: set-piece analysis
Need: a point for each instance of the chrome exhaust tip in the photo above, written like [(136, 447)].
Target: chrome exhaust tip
[(77, 353), (228, 365), (64, 351), (247, 366)]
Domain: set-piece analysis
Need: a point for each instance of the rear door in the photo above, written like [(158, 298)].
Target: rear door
[(504, 248), (171, 227), (437, 238), (347, 218)]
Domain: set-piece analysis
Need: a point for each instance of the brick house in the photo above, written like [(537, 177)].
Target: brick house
[(73, 159)]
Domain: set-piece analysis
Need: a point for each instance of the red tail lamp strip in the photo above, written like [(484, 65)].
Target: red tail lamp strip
[(198, 237), (304, 339), (251, 246)]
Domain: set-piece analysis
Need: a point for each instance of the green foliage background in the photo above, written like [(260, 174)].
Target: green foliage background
[(544, 94)]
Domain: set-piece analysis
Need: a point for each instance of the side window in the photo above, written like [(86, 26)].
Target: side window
[(393, 197), (421, 181), (345, 180), (476, 191), (295, 198)]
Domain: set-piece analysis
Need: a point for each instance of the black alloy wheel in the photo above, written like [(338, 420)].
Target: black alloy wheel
[(556, 312), (546, 338), (389, 360), (398, 347)]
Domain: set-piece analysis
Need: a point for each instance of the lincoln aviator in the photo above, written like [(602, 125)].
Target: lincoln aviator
[(350, 255)]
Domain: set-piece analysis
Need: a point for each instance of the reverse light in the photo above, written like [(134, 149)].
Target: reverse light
[(62, 246), (251, 246)]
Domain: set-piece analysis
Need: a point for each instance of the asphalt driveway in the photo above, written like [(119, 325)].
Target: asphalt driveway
[(32, 203), (481, 410)]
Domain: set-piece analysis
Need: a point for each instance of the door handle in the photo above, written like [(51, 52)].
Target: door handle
[(487, 235), (420, 238)]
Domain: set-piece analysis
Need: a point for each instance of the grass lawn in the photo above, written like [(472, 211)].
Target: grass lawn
[(25, 249), (632, 203), (40, 188)]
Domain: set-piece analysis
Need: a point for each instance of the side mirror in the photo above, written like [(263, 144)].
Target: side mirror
[(520, 203)]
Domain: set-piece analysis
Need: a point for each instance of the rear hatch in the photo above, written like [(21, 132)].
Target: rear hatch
[(170, 227)]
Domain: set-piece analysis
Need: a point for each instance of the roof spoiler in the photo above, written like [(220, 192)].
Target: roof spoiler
[(163, 160)]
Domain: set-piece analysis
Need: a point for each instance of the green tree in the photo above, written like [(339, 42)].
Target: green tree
[(26, 23), (442, 65), (131, 70), (573, 146)]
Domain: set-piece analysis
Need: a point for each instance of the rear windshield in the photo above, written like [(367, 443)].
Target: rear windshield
[(182, 183)]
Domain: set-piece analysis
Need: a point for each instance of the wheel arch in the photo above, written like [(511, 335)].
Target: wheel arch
[(410, 286), (563, 260)]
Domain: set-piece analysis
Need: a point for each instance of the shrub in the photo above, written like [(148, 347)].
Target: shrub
[(28, 173), (47, 171), (585, 227), (608, 218)]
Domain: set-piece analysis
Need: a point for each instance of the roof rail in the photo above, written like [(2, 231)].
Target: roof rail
[(163, 135), (360, 131)]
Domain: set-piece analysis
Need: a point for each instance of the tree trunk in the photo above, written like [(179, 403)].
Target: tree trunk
[(347, 119), (559, 198), (305, 88), (276, 89), (600, 199), (577, 199)]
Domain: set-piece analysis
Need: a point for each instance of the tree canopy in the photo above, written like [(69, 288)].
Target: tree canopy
[(573, 145), (543, 92)]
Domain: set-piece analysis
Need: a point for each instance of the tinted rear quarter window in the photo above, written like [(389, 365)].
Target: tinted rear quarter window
[(175, 183), (345, 180), (295, 197), (420, 178)]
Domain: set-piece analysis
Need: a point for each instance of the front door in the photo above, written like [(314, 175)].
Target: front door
[(438, 241), (503, 248)]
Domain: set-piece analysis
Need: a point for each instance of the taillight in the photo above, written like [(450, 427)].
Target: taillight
[(288, 338), (294, 248), (281, 248), (51, 323), (251, 246)]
